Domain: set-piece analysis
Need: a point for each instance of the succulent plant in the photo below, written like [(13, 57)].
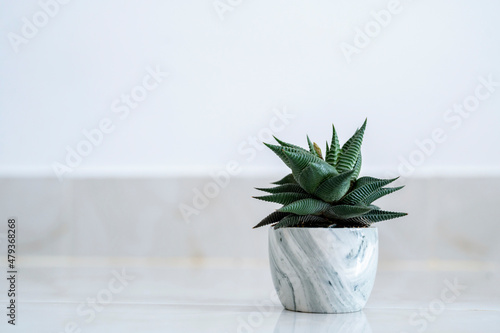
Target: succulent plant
[(326, 192)]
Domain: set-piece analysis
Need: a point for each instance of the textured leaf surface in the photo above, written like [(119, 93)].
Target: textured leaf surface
[(306, 221), (306, 207), (332, 154), (283, 198), (367, 180), (283, 188), (288, 179), (357, 168), (271, 218), (311, 147), (299, 161), (380, 193), (360, 194), (314, 174), (286, 144), (334, 188), (347, 211), (349, 153), (278, 150), (381, 215)]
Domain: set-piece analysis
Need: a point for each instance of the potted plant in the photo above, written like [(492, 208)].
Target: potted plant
[(323, 249)]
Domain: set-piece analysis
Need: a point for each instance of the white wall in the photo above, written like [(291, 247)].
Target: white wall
[(230, 81), (226, 76)]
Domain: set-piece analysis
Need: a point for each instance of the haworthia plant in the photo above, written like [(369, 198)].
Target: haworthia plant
[(325, 192)]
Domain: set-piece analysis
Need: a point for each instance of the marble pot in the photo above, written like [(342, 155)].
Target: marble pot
[(323, 270)]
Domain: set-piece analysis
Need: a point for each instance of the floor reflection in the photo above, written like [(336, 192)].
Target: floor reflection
[(298, 322)]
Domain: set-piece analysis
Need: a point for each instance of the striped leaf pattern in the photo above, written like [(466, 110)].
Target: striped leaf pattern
[(307, 221), (381, 215), (283, 188), (313, 175), (334, 188), (271, 218), (307, 206), (288, 179), (349, 155), (326, 193), (360, 194), (332, 155), (283, 198), (312, 149), (357, 168), (289, 145), (380, 193), (299, 161)]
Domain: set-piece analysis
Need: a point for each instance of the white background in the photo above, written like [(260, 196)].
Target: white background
[(226, 77)]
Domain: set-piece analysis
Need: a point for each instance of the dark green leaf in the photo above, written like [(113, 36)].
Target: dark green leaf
[(271, 218), (334, 188), (306, 221), (381, 215), (286, 144), (311, 148), (314, 174), (298, 161), (283, 198), (359, 194), (283, 188), (307, 206), (351, 150), (288, 179), (380, 193), (332, 154), (357, 168)]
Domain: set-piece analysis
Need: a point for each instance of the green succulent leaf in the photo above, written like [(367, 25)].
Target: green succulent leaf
[(278, 150), (326, 192), (359, 194), (283, 198), (357, 168), (307, 206), (334, 188), (381, 215), (288, 179), (368, 180), (380, 193), (283, 188), (333, 152), (350, 151), (306, 221), (314, 174), (310, 144), (298, 161), (312, 149), (347, 211), (271, 218), (289, 145)]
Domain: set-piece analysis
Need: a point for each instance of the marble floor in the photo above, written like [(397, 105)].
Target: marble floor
[(228, 295)]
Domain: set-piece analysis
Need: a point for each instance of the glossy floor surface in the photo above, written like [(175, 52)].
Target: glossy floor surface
[(222, 295)]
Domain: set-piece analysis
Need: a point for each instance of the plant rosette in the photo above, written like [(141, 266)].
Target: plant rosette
[(323, 249)]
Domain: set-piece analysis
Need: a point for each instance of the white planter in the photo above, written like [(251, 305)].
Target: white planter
[(323, 270)]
